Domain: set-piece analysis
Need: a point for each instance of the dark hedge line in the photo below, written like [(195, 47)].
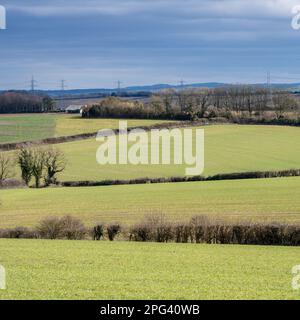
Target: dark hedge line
[(157, 228), (204, 229), (224, 176), (264, 121)]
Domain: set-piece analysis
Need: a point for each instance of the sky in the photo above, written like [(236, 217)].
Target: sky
[(93, 44)]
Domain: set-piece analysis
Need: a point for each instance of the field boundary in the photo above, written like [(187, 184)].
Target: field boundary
[(169, 125), (84, 136), (217, 177), (158, 228)]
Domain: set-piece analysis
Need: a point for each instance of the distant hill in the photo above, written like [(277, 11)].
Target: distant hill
[(146, 89)]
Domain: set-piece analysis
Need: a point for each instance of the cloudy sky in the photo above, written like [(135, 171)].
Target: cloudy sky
[(92, 44)]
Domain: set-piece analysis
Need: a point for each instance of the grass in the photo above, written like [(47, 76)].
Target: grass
[(30, 127), (69, 125), (16, 128), (228, 148), (38, 269), (261, 199)]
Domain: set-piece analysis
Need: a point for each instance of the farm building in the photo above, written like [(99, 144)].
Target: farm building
[(74, 108)]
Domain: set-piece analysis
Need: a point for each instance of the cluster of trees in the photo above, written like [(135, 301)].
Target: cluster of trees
[(21, 102), (114, 107), (191, 104), (247, 100), (41, 163), (38, 163)]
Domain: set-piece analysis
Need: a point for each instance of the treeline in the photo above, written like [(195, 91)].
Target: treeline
[(192, 104), (158, 228), (114, 107), (21, 102)]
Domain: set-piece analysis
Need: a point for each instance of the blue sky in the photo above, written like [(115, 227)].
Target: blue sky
[(92, 44)]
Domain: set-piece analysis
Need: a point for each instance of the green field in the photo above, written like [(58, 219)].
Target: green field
[(39, 269), (228, 148), (30, 127), (261, 199), (16, 128)]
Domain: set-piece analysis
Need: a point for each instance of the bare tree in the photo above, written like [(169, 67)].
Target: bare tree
[(54, 163), (6, 166), (38, 162), (202, 102), (283, 103), (25, 163), (168, 97)]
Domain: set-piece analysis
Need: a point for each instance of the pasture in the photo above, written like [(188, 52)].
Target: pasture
[(228, 148), (41, 269), (30, 127), (255, 200), (38, 269)]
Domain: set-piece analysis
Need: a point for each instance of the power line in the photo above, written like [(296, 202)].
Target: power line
[(269, 88), (33, 84), (268, 79), (63, 85), (119, 85)]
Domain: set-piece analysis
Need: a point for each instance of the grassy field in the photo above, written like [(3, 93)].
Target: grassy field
[(261, 199), (39, 269), (27, 127), (15, 128), (228, 148)]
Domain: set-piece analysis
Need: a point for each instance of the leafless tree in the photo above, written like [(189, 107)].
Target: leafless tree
[(54, 163), (25, 163), (283, 103), (202, 102), (6, 166), (38, 162), (168, 97)]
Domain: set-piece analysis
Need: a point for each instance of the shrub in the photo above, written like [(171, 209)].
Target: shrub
[(112, 231), (50, 228), (61, 228), (198, 227), (183, 233), (72, 228), (98, 232), (141, 232), (18, 233), (162, 230)]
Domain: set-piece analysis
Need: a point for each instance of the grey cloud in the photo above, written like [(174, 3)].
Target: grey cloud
[(201, 8)]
